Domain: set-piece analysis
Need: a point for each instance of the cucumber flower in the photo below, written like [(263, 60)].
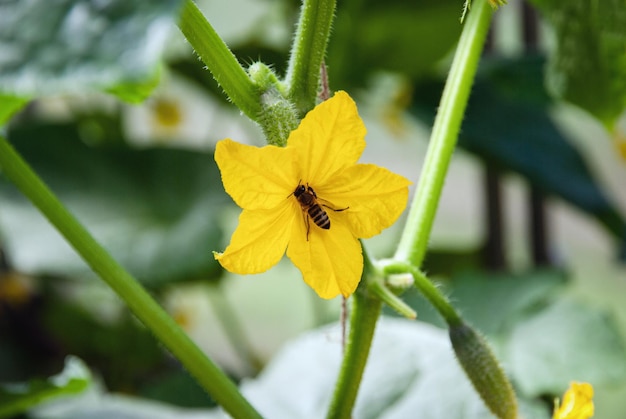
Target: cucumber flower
[(577, 402), (310, 198)]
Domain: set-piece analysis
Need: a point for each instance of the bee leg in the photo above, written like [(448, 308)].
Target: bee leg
[(307, 223), (308, 227), (335, 209)]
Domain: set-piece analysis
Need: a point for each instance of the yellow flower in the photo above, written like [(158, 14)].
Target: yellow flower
[(320, 161), (577, 402)]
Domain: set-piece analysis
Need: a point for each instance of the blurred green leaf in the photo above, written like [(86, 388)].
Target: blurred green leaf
[(10, 105), (69, 45), (177, 388), (19, 397), (136, 92), (567, 341), (156, 210), (589, 66), (410, 37), (478, 295), (101, 405), (508, 124)]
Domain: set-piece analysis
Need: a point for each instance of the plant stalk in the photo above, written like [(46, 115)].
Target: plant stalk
[(414, 241), (219, 60), (308, 51), (427, 289), (215, 382), (365, 311)]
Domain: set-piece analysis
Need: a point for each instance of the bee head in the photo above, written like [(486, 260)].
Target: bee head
[(300, 189)]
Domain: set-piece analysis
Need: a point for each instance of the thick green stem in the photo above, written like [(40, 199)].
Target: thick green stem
[(308, 51), (413, 244), (365, 310), (364, 314), (138, 300), (220, 60)]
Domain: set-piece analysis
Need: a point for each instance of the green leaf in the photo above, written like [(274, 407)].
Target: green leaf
[(567, 341), (508, 124), (136, 92), (410, 37), (589, 66), (70, 45), (156, 210), (18, 398), (177, 388), (99, 405), (478, 295), (9, 105)]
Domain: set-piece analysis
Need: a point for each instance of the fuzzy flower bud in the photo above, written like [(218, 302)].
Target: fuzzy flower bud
[(278, 115)]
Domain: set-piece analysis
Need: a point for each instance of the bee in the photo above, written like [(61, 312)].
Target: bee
[(312, 209)]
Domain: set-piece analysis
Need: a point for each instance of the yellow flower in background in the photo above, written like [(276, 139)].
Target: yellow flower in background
[(310, 198), (577, 402)]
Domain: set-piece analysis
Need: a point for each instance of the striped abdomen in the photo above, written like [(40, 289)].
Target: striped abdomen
[(319, 216)]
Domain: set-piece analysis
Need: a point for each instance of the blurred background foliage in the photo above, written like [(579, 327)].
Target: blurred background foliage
[(529, 242)]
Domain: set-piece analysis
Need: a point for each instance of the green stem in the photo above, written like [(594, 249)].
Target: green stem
[(219, 60), (428, 290), (378, 288), (138, 300), (308, 51), (365, 311), (414, 241)]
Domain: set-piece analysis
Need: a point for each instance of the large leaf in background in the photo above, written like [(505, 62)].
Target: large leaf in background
[(19, 397), (589, 65), (68, 45), (370, 36), (507, 123), (478, 295), (101, 405), (567, 341), (155, 210)]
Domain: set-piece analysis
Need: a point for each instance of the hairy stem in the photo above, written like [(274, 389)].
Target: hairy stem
[(364, 313), (308, 51), (427, 289), (365, 310), (220, 61)]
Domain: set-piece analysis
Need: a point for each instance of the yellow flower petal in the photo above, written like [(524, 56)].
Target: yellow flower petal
[(322, 153), (577, 402), (331, 137), (374, 196), (256, 177), (331, 261), (259, 241)]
